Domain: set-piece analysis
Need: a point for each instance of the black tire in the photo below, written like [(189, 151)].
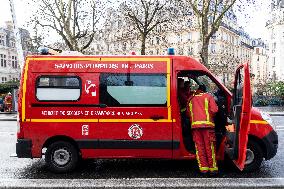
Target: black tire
[(61, 157), (255, 161)]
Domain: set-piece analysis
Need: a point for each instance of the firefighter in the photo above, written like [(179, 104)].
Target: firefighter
[(8, 102), (201, 110)]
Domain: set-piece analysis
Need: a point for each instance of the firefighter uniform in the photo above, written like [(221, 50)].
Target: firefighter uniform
[(8, 102), (201, 109)]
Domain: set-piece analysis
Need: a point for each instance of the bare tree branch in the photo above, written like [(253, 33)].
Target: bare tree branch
[(146, 16), (75, 21)]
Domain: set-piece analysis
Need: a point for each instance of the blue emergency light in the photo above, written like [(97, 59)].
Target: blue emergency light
[(43, 50), (171, 51)]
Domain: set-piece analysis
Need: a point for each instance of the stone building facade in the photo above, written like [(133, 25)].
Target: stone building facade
[(9, 65), (275, 26), (230, 46)]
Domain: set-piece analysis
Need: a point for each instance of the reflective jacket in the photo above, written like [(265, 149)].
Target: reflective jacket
[(201, 110)]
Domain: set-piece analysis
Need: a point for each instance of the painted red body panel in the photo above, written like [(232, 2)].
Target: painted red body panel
[(258, 130), (104, 122)]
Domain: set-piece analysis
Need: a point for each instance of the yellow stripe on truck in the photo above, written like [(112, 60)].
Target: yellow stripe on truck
[(258, 122), (24, 90), (107, 59)]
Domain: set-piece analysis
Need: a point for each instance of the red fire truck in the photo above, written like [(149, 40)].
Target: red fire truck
[(73, 107)]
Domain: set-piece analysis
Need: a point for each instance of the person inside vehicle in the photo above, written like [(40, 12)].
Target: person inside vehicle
[(184, 94)]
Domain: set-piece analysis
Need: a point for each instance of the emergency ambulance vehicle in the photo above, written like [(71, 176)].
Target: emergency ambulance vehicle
[(73, 107)]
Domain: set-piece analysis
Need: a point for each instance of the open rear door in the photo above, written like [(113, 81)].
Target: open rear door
[(241, 110)]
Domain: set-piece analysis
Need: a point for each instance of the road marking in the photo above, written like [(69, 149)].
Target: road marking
[(279, 128), (5, 133), (145, 183)]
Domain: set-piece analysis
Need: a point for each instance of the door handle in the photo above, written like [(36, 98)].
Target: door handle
[(156, 117)]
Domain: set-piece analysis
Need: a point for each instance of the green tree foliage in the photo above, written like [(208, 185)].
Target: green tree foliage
[(277, 88), (7, 87)]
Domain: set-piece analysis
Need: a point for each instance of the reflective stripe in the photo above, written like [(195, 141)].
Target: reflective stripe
[(214, 168), (204, 168), (182, 110), (197, 157), (206, 109), (202, 122), (190, 109), (198, 161)]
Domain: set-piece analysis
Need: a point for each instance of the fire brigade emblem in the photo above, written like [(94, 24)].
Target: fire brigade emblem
[(135, 131)]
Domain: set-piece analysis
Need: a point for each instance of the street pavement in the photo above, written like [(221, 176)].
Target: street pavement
[(135, 173), (4, 116)]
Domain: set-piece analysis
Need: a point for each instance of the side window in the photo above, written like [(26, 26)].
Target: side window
[(133, 89), (211, 86), (58, 88), (193, 85)]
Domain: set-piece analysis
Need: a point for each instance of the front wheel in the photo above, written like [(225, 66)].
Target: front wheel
[(61, 157), (254, 156)]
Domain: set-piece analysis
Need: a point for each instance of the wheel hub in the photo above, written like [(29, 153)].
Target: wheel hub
[(249, 156), (61, 157)]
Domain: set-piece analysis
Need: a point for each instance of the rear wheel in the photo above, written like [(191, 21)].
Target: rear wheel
[(61, 157), (254, 156)]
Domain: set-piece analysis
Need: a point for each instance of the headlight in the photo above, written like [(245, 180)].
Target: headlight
[(267, 117)]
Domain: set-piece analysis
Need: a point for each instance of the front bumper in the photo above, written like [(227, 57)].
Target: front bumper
[(271, 144), (24, 148)]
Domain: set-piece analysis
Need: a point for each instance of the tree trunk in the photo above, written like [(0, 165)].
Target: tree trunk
[(205, 41), (143, 45), (204, 53)]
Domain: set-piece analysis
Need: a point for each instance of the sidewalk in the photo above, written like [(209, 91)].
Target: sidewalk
[(7, 116), (276, 113)]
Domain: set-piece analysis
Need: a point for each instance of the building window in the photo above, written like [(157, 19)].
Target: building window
[(157, 51), (273, 61), (190, 51), (4, 79), (133, 89), (213, 48), (257, 50), (13, 44), (179, 38), (58, 88), (158, 40), (124, 46), (273, 47), (3, 60), (2, 41), (189, 23), (189, 36), (14, 62)]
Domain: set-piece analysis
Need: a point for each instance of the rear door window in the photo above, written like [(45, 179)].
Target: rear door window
[(58, 88)]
